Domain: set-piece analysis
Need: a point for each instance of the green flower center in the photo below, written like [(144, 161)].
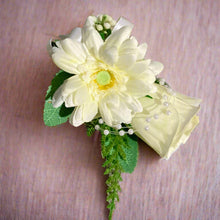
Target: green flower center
[(103, 78)]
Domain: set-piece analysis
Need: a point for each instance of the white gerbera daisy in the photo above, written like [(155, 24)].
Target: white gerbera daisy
[(108, 76)]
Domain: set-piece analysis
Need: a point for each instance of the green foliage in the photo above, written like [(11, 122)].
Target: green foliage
[(90, 128), (105, 33), (120, 154), (148, 96), (111, 151), (55, 116), (131, 154)]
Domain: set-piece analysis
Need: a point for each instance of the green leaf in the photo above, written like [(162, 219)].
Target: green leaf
[(148, 96), (55, 116), (131, 152)]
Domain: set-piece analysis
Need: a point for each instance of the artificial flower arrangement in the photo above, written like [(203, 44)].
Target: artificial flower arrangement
[(106, 83)]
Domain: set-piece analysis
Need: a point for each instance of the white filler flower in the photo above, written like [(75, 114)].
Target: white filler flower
[(108, 76)]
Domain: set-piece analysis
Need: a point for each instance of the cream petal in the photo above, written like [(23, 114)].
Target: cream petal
[(129, 46), (148, 77), (81, 95), (76, 34), (64, 61), (90, 110), (138, 67), (109, 50), (110, 55), (92, 40), (142, 49), (156, 67), (174, 129), (137, 88), (90, 20), (121, 23), (161, 132), (74, 48), (119, 110), (76, 118), (69, 86), (126, 61), (105, 112), (132, 103), (118, 37)]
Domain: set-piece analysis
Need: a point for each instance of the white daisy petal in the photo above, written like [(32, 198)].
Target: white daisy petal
[(74, 49), (81, 96), (64, 61), (76, 118), (138, 67), (137, 87), (90, 110), (76, 34), (121, 23), (156, 67), (142, 49), (126, 61), (70, 85), (92, 40)]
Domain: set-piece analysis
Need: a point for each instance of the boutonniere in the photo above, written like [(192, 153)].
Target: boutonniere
[(106, 83)]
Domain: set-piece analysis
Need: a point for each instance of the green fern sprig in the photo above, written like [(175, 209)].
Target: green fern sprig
[(111, 150)]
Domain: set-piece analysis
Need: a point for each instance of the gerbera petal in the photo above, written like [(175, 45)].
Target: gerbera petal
[(76, 118), (92, 40), (142, 49), (70, 85), (131, 102), (118, 37), (81, 96), (119, 110), (74, 48), (156, 67), (126, 61), (105, 112), (109, 50), (129, 46), (76, 34), (148, 77), (90, 110), (138, 67), (64, 61), (110, 55), (121, 23), (137, 87)]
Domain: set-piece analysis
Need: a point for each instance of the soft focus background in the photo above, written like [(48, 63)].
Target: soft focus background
[(56, 173)]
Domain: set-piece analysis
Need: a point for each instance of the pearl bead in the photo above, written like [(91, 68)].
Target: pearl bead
[(168, 112), (121, 133), (156, 116), (166, 104), (147, 128), (148, 119), (118, 126), (106, 132), (130, 131), (97, 127), (101, 121)]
